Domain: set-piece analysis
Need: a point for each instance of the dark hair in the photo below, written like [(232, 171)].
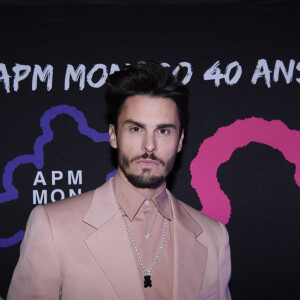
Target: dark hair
[(146, 78)]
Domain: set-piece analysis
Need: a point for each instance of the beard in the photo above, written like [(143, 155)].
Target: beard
[(145, 180)]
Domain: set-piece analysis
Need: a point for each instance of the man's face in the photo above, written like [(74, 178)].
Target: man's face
[(147, 139)]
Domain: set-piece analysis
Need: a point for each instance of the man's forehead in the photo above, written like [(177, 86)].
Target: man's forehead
[(142, 108)]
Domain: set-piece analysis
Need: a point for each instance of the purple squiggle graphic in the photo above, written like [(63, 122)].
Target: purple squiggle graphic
[(14, 239), (11, 193)]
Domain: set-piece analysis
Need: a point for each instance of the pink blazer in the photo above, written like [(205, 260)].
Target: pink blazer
[(78, 248)]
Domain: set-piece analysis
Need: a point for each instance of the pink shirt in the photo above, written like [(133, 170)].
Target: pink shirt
[(145, 219)]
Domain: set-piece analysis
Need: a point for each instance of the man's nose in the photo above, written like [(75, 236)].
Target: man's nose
[(149, 143)]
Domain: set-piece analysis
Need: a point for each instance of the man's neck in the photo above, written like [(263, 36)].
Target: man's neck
[(147, 193)]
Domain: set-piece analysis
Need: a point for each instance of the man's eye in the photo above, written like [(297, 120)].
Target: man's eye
[(164, 131), (135, 129)]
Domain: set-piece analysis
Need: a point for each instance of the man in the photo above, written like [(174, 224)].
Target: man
[(130, 238)]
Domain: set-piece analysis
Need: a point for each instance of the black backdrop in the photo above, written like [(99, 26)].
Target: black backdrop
[(256, 179)]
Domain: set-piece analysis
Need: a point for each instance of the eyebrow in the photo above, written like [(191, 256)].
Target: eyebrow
[(130, 121), (165, 125), (159, 126)]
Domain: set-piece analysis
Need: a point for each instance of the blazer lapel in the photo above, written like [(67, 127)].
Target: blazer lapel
[(110, 245), (189, 254)]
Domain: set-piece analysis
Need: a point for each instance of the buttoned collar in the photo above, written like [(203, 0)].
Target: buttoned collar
[(130, 200)]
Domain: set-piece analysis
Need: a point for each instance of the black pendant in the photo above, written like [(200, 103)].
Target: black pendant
[(147, 281)]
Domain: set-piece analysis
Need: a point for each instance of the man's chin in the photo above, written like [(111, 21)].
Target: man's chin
[(145, 182)]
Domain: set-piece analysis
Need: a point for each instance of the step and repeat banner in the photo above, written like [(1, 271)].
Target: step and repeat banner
[(241, 158)]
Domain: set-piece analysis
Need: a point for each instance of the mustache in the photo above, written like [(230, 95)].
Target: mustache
[(148, 156)]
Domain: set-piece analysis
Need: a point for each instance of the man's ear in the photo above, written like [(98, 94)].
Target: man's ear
[(112, 136), (180, 141)]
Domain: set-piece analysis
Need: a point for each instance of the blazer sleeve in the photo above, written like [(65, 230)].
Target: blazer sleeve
[(37, 274), (224, 262)]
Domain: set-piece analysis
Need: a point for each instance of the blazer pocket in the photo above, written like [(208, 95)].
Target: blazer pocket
[(211, 292)]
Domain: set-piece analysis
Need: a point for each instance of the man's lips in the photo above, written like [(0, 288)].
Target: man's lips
[(148, 162)]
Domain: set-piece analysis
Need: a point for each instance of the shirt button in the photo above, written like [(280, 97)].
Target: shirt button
[(146, 202), (147, 234)]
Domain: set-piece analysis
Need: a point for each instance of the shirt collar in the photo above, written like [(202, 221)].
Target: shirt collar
[(130, 200)]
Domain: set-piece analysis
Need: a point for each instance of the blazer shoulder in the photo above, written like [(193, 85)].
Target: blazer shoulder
[(64, 218), (213, 230), (78, 202), (209, 225), (74, 208)]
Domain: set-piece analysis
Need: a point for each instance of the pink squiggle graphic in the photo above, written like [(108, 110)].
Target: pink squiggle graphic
[(218, 149)]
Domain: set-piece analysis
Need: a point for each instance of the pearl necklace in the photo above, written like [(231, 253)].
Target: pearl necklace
[(147, 277)]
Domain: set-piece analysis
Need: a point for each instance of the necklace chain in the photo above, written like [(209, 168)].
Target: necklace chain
[(148, 271)]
